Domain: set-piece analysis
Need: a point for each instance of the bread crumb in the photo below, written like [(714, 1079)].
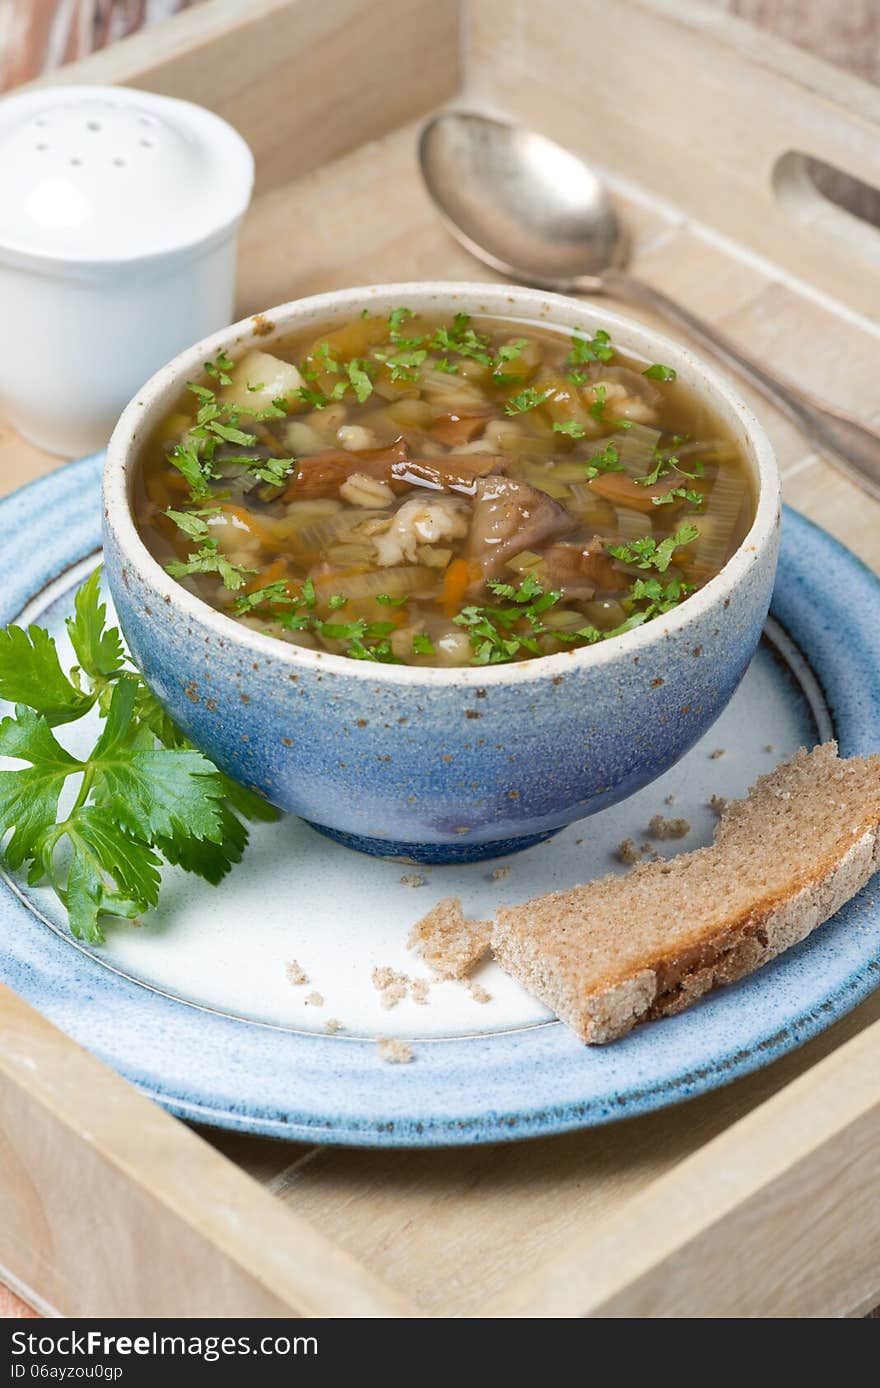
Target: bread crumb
[(418, 990), (661, 828), (479, 993), (296, 974), (333, 1024), (449, 943), (718, 803), (394, 1052), (499, 874), (315, 1000), (413, 879), (719, 752), (390, 985), (628, 851), (671, 799)]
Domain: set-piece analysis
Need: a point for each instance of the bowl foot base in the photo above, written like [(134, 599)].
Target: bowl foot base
[(432, 853)]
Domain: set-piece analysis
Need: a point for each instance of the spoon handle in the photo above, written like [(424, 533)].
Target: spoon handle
[(846, 442)]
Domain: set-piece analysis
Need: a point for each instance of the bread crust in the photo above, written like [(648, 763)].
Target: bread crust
[(602, 1003)]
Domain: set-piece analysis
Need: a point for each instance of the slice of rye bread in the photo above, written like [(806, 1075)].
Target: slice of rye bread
[(623, 950)]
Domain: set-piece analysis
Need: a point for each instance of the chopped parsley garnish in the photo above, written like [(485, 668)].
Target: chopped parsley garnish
[(141, 794), (528, 399), (210, 560), (404, 366), (195, 465), (571, 428), (219, 368), (597, 409), (660, 373), (217, 422), (660, 597), (678, 494), (358, 375), (461, 339), (273, 592), (194, 523), (590, 349), (664, 463), (507, 352), (502, 634), (422, 644), (608, 460), (396, 319), (365, 640), (649, 553)]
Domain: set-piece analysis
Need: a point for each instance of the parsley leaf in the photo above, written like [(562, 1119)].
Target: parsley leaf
[(597, 409), (29, 798), (98, 649), (528, 399), (678, 494), (143, 792), (660, 597), (396, 319), (360, 381), (571, 427), (30, 673), (648, 553), (209, 560), (219, 368), (608, 460), (660, 373), (273, 592), (589, 349)]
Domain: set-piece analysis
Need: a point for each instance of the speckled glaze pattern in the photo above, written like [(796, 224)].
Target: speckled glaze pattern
[(439, 765), (505, 1086)]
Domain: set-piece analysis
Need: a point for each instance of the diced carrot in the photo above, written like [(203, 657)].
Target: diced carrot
[(271, 574), (264, 534), (456, 581)]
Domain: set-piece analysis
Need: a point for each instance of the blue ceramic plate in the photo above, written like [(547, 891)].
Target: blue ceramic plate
[(196, 1007)]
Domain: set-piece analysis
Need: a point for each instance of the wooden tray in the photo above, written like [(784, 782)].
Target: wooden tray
[(753, 1201)]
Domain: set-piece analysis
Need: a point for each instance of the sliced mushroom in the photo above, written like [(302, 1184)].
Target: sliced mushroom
[(581, 569), (509, 516), (455, 472)]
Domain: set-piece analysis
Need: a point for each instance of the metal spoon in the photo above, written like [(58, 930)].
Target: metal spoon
[(536, 212)]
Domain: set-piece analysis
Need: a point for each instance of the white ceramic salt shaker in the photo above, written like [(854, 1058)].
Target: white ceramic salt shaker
[(118, 216)]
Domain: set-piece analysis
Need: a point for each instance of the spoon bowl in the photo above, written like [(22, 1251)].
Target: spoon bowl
[(519, 202), (538, 213)]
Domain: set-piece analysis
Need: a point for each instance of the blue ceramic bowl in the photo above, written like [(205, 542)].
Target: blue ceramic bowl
[(440, 765)]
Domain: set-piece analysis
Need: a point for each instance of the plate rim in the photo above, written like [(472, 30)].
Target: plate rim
[(841, 648)]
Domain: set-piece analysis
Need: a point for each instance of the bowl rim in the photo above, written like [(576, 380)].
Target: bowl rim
[(498, 300)]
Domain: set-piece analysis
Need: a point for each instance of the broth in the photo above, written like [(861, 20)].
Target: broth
[(442, 492)]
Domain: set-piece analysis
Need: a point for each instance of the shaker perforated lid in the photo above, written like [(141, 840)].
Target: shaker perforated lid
[(109, 174)]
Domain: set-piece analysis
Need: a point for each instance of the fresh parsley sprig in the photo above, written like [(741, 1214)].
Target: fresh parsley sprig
[(97, 827)]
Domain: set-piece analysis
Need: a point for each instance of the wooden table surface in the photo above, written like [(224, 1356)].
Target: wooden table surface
[(849, 35)]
